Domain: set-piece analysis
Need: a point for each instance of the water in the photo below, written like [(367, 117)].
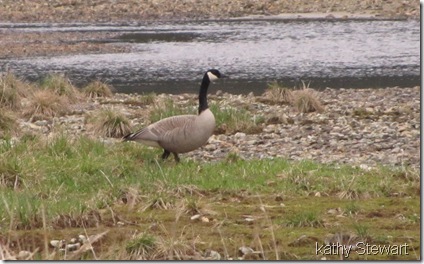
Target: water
[(171, 57)]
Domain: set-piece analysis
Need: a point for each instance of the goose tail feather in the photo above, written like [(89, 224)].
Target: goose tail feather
[(129, 137)]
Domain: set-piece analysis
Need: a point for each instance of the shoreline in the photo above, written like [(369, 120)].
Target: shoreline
[(20, 44)]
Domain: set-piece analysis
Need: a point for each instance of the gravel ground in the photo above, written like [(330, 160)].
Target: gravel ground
[(133, 10), (361, 127)]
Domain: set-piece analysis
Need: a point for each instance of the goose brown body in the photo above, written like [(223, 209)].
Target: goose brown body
[(182, 133), (178, 134)]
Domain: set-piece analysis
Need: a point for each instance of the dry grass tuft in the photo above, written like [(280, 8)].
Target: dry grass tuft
[(97, 89), (12, 90), (6, 253), (46, 104), (275, 93), (140, 247), (306, 101), (170, 247), (109, 122), (148, 99), (7, 122), (62, 86)]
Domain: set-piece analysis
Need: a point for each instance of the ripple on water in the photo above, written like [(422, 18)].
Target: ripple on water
[(173, 55)]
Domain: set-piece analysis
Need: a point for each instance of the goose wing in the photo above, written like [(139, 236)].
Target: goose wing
[(154, 133)]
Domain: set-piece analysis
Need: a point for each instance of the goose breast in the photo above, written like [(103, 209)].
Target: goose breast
[(188, 133)]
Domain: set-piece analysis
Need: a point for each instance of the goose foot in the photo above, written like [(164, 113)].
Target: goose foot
[(177, 159), (165, 154)]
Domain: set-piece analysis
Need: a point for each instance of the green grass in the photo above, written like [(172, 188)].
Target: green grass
[(231, 120), (141, 245), (86, 184), (79, 169), (304, 219)]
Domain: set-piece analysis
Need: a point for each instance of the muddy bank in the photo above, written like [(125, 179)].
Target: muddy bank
[(27, 44)]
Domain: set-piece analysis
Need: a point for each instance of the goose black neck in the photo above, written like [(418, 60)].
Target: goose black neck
[(203, 99)]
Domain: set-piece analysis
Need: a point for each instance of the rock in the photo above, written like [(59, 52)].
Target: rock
[(24, 255), (41, 123), (239, 135), (365, 167), (212, 255), (195, 217), (204, 219), (303, 240), (57, 243), (82, 238), (245, 250), (73, 247), (249, 219)]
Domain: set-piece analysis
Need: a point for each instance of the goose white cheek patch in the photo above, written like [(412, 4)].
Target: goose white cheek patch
[(212, 77)]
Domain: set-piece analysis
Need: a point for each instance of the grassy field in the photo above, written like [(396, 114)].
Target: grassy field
[(58, 189), (132, 205)]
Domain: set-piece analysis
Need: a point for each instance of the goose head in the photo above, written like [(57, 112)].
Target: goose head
[(213, 74)]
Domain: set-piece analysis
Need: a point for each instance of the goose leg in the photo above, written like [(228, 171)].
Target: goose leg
[(177, 159), (165, 154)]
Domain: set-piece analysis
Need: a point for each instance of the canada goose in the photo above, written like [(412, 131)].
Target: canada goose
[(182, 133)]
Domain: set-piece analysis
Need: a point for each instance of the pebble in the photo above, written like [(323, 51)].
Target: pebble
[(213, 255), (245, 250), (24, 255)]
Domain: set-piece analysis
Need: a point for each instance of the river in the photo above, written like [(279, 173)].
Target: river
[(170, 57)]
